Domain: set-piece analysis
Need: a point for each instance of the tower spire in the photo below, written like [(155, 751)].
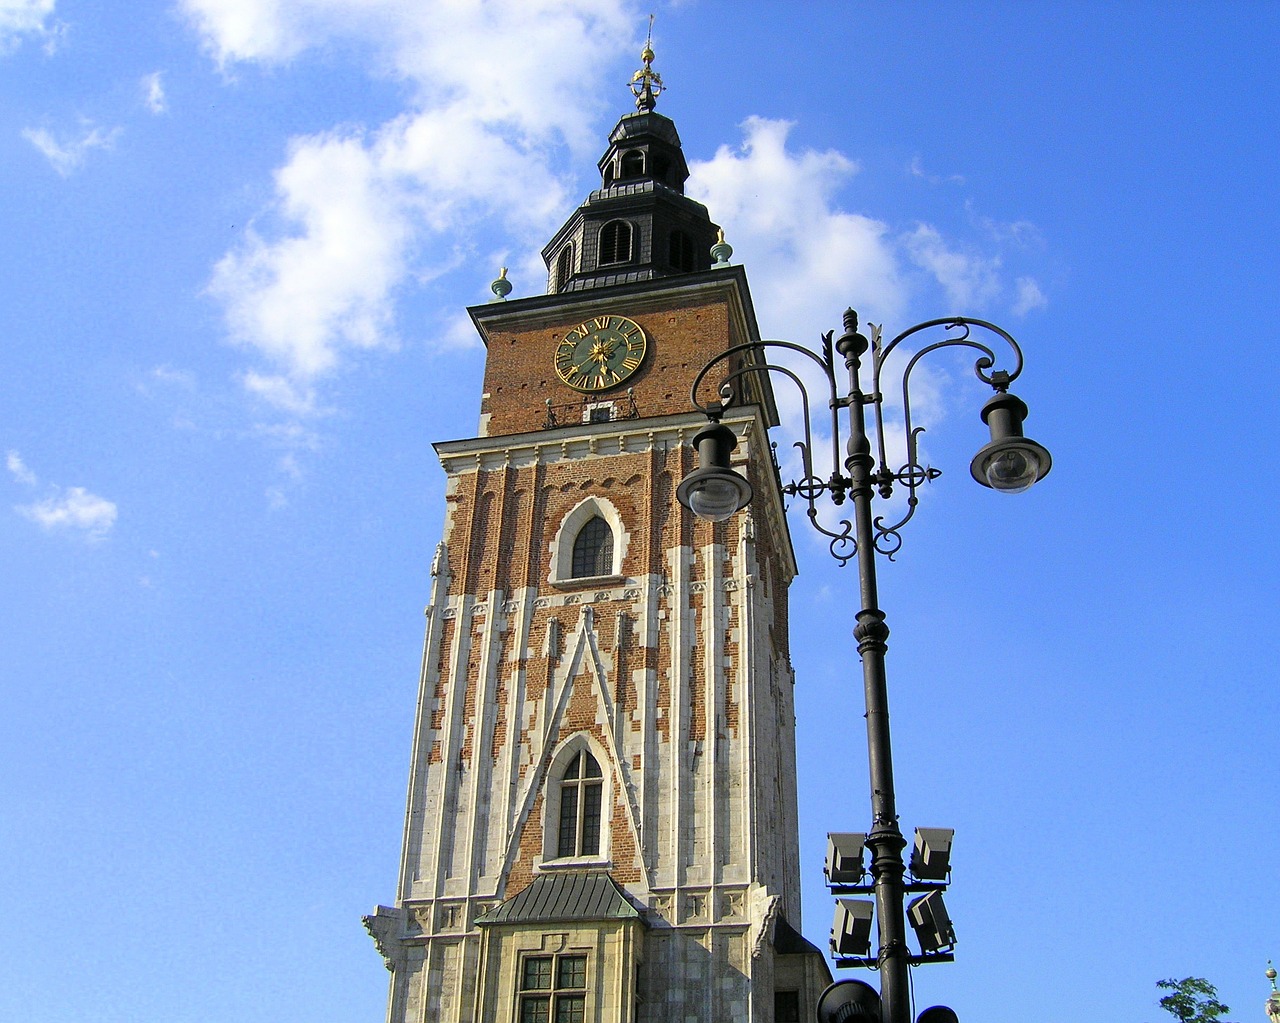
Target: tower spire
[(646, 83)]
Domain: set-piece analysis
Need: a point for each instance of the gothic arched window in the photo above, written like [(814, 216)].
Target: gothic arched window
[(615, 242), (680, 251), (593, 550), (581, 788), (564, 267)]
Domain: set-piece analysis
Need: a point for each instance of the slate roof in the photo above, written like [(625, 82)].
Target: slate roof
[(563, 896), (788, 941)]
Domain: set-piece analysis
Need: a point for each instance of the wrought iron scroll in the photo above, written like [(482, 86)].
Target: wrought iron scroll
[(912, 475)]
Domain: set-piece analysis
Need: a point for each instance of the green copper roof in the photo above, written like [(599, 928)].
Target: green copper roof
[(562, 896)]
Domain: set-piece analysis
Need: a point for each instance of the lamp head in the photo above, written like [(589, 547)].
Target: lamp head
[(713, 491), (1011, 463), (849, 1001)]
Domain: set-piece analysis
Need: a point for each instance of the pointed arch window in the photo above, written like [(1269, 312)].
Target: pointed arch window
[(581, 791), (615, 242), (593, 550), (564, 267)]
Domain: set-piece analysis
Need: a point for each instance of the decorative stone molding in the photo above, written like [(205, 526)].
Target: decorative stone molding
[(731, 904), (764, 913), (385, 925)]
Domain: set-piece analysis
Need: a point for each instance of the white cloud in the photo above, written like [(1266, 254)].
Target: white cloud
[(808, 257), (916, 170), (73, 509), (153, 94), (281, 392), (1029, 296), (359, 214), (19, 469), (20, 18), (970, 280), (68, 154), (169, 376), (1019, 233)]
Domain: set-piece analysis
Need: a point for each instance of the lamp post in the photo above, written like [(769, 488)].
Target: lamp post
[(1009, 463)]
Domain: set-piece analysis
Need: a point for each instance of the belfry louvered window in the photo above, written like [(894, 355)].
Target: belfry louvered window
[(593, 550), (615, 242), (581, 788), (564, 267)]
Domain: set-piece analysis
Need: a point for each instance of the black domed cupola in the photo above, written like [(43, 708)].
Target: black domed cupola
[(639, 224)]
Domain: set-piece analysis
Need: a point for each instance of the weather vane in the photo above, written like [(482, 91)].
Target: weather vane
[(646, 83)]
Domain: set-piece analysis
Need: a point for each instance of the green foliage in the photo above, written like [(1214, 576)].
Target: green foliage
[(1192, 1000)]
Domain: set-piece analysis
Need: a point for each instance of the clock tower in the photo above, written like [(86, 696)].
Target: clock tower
[(601, 822)]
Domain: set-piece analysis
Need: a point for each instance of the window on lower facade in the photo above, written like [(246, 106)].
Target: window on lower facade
[(581, 789), (786, 1007), (593, 550), (553, 989)]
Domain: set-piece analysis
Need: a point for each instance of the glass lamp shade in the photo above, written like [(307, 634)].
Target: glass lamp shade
[(714, 494), (1011, 465)]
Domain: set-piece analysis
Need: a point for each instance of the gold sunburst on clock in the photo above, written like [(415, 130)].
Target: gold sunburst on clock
[(600, 353)]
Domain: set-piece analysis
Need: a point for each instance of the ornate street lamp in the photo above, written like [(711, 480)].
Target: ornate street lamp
[(1009, 463)]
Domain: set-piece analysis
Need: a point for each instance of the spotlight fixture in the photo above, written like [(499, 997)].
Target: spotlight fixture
[(844, 857), (849, 1001), (851, 927), (929, 919), (938, 1014), (931, 857)]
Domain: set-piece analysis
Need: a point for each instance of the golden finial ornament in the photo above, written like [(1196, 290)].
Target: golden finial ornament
[(501, 287), (721, 250), (646, 84), (1273, 1000)]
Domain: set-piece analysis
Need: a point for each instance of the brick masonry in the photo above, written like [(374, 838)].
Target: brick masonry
[(673, 671)]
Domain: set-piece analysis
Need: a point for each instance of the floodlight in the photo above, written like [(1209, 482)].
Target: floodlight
[(931, 857), (929, 919), (851, 927), (849, 1001), (938, 1014), (844, 857)]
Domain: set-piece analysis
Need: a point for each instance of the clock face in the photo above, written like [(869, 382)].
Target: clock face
[(600, 353)]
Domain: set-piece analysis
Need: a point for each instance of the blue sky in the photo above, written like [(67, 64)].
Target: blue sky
[(241, 236)]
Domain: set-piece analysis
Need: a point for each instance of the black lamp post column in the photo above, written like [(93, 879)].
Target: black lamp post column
[(1011, 462), (885, 839)]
